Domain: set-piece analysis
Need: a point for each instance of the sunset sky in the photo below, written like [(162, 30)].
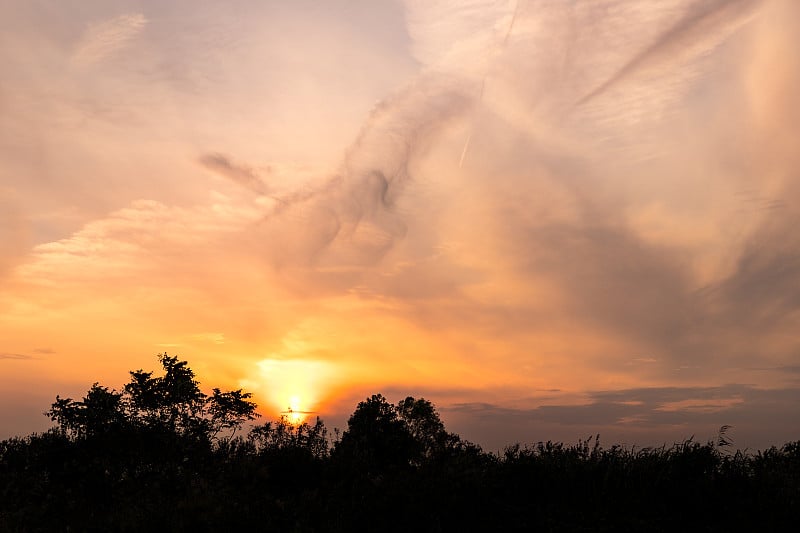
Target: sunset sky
[(551, 218)]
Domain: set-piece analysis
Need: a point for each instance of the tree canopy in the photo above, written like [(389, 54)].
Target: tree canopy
[(162, 455), (170, 402)]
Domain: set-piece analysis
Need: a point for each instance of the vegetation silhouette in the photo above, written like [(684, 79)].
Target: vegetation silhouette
[(160, 455)]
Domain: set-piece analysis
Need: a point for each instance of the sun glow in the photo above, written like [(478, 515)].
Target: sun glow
[(295, 413), (293, 388)]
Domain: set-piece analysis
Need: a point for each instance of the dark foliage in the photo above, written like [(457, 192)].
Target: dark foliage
[(162, 456)]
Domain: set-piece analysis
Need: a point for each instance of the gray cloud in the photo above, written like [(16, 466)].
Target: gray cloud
[(16, 356), (352, 219), (764, 289), (243, 175), (643, 416), (615, 278)]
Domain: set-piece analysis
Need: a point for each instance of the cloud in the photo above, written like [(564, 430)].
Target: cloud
[(556, 211), (244, 176), (443, 32), (679, 299), (350, 220), (630, 414), (145, 237), (102, 40), (16, 356), (628, 64), (702, 27), (627, 255)]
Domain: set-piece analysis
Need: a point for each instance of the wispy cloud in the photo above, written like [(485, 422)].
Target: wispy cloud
[(104, 39), (243, 175), (702, 26), (16, 356)]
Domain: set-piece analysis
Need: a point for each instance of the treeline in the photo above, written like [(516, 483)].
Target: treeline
[(160, 455)]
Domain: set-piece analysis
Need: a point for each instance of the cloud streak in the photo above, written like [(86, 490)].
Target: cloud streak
[(102, 40), (704, 24), (16, 356), (244, 176)]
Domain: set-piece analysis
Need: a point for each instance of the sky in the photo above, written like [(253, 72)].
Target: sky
[(551, 218)]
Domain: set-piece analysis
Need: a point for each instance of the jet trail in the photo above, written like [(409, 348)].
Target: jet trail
[(706, 18), (483, 83)]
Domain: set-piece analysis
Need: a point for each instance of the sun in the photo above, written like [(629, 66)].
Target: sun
[(294, 388), (295, 414)]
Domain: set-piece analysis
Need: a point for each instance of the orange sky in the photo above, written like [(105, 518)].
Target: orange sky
[(549, 218)]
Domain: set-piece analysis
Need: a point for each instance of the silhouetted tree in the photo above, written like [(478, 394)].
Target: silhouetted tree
[(427, 429), (422, 420), (377, 438), (162, 456), (170, 403), (282, 435), (173, 401), (229, 410), (101, 410)]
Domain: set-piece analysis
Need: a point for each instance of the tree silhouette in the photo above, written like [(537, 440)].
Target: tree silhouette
[(377, 438), (229, 410), (281, 435), (170, 403), (101, 410), (423, 422), (161, 455)]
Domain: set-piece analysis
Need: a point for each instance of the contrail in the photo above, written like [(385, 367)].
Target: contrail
[(464, 151), (511, 26), (483, 83), (694, 25)]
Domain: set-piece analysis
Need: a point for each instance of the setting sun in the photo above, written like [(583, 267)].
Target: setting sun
[(295, 413), (292, 388)]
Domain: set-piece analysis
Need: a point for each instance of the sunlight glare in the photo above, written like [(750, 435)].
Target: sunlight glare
[(295, 413), (293, 387)]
